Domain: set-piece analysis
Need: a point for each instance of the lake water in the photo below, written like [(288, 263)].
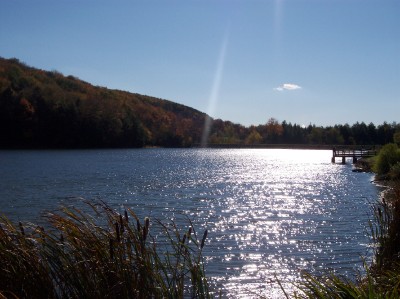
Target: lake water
[(270, 213)]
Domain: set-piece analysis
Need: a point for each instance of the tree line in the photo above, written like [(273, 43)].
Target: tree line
[(45, 109), (275, 132)]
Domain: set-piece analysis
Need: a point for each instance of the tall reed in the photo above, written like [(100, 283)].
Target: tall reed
[(386, 231), (99, 253)]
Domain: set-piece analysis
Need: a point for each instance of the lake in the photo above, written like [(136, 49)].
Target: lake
[(270, 213)]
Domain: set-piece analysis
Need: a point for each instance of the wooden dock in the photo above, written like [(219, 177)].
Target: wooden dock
[(352, 152)]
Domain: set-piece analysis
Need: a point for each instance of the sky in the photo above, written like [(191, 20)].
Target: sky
[(321, 62)]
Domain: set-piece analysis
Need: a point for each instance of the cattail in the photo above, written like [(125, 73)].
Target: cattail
[(111, 245), (146, 228), (117, 231), (204, 239), (21, 228), (126, 216), (189, 233), (144, 235), (121, 224), (184, 239), (138, 225)]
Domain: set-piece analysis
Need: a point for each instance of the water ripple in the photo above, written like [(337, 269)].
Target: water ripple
[(271, 214)]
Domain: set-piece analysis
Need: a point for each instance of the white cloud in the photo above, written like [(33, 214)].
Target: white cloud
[(287, 86)]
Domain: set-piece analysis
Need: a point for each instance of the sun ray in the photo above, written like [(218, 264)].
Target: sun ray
[(212, 101)]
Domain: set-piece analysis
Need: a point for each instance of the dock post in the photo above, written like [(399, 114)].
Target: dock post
[(354, 159), (343, 160), (333, 160)]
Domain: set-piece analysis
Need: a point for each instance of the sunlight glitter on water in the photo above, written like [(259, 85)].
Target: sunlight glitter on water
[(283, 216), (271, 214)]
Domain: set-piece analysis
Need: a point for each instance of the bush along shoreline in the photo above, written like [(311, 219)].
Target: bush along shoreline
[(100, 254)]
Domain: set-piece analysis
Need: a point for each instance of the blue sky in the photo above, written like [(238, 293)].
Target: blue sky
[(323, 62)]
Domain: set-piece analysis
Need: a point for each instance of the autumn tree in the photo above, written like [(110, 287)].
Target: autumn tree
[(273, 130), (254, 137)]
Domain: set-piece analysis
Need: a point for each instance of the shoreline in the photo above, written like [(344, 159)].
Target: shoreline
[(267, 146)]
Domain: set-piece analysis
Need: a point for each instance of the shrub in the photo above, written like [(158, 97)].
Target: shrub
[(395, 171), (388, 156), (396, 137)]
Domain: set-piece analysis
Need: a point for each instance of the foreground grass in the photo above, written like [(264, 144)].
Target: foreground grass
[(100, 254)]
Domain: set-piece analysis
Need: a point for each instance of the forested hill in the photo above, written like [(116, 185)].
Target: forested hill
[(44, 109)]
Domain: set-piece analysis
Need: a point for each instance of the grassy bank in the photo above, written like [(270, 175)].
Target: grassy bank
[(100, 254)]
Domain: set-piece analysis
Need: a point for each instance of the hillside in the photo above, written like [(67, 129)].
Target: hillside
[(44, 109)]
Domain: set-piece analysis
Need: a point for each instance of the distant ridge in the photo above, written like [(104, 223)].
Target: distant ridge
[(45, 109)]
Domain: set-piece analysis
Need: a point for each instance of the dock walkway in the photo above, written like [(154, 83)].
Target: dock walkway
[(352, 152)]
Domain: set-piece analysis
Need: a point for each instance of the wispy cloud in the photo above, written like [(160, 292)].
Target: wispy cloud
[(287, 86)]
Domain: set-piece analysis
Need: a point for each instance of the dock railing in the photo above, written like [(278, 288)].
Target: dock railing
[(355, 152)]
